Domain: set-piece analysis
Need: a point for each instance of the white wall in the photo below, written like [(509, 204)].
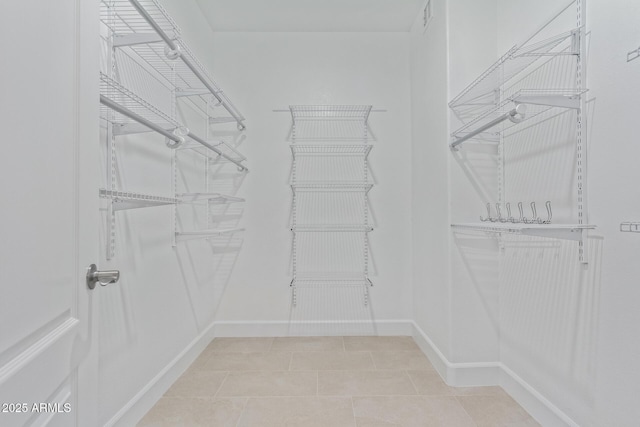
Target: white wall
[(571, 334), (562, 330), (429, 174), (474, 261), (270, 71)]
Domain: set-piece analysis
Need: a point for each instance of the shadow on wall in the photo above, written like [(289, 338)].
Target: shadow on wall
[(549, 313), (332, 310), (480, 256), (548, 307), (206, 265)]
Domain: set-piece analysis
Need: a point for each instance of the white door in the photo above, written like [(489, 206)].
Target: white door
[(48, 211)]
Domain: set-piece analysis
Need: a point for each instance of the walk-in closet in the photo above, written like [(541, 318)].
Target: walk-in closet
[(319, 213)]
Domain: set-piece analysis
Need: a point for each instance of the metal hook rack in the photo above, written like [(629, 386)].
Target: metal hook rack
[(535, 219)]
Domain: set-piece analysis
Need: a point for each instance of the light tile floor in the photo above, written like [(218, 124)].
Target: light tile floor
[(325, 382)]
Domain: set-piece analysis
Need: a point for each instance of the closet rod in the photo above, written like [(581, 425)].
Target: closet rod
[(516, 116), (138, 118), (196, 138), (126, 112), (187, 62)]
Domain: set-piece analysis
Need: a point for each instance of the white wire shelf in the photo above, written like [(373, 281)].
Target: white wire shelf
[(147, 29), (331, 228), (127, 104), (630, 227), (124, 200), (215, 198), (129, 100), (482, 90), (331, 186), (182, 236), (556, 231), (522, 106), (322, 280), (330, 112), (330, 150)]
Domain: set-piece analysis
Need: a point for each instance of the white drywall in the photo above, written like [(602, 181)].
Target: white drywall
[(270, 71), (429, 175), (570, 332)]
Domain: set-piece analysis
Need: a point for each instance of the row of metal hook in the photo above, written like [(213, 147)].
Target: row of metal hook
[(522, 219)]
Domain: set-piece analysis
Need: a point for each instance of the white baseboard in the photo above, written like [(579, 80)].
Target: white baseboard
[(143, 401), (493, 373), (401, 327)]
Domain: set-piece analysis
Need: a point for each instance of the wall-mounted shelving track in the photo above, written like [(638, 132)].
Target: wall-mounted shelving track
[(142, 39), (326, 138), (529, 84)]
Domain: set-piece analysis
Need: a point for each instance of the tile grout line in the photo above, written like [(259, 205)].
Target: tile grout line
[(353, 411), (244, 408), (317, 383), (373, 361), (290, 362), (473, 420), (215, 395), (412, 383)]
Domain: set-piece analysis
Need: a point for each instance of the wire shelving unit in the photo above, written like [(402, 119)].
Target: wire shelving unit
[(332, 133), (142, 39), (144, 27), (530, 83), (330, 150)]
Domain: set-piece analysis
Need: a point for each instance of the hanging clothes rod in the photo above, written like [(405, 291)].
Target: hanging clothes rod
[(174, 47), (516, 116), (201, 141), (177, 139)]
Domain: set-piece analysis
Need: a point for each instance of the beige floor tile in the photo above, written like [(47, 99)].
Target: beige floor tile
[(298, 412), (201, 359), (307, 344), (193, 412), (196, 383), (262, 383), (331, 361), (379, 344), (495, 411), (410, 411), (244, 361), (364, 383), (239, 344), (429, 383), (414, 360)]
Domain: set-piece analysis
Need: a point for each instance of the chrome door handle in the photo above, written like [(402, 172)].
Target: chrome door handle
[(105, 277)]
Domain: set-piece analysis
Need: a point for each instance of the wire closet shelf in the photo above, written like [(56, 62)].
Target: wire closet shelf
[(144, 27), (533, 83), (132, 108)]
